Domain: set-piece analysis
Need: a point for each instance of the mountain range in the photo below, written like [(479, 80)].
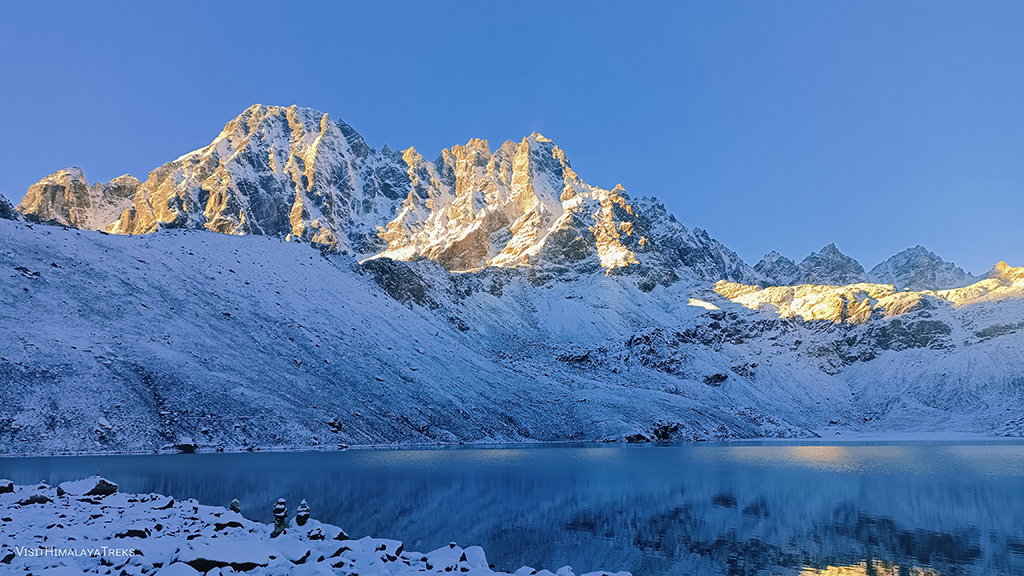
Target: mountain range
[(485, 296)]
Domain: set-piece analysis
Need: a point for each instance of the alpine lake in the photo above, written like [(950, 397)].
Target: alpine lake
[(767, 508)]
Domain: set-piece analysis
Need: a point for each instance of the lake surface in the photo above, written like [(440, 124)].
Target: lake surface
[(736, 509)]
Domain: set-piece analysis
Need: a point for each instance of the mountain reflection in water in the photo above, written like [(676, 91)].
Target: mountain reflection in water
[(735, 509)]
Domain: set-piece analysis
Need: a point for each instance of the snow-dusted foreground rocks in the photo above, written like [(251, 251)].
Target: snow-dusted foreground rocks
[(86, 526)]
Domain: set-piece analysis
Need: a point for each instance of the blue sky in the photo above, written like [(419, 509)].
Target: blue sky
[(773, 125)]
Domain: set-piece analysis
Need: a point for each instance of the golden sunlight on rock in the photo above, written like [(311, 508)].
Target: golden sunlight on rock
[(858, 303), (517, 206), (702, 304)]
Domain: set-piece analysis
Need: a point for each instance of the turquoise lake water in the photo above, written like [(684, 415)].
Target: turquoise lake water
[(736, 509)]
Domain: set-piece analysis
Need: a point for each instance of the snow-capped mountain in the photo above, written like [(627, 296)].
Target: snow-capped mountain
[(776, 269), (485, 296), (276, 171), (829, 266), (296, 173), (919, 269)]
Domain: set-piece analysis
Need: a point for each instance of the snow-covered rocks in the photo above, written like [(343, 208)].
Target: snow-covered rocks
[(7, 211), (239, 554), (93, 486), (139, 534), (854, 303)]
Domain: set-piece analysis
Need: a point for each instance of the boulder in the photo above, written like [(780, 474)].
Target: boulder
[(92, 486)]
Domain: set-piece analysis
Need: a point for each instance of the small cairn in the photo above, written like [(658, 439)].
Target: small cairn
[(235, 506), (302, 514), (280, 517)]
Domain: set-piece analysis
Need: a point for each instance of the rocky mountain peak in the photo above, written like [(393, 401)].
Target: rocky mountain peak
[(7, 211), (287, 171), (918, 268), (777, 269), (829, 266), (66, 198), (1008, 273), (299, 174), (520, 205)]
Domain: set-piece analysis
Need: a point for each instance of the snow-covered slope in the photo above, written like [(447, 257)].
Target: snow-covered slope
[(919, 269), (138, 342), (859, 303), (252, 341), (952, 356)]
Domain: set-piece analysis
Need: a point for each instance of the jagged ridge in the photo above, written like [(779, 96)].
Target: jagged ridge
[(297, 173), (919, 269)]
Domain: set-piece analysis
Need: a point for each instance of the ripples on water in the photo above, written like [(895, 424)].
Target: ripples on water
[(889, 509)]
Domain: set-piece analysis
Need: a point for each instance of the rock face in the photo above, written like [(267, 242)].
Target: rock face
[(158, 535), (291, 172), (919, 269), (829, 266), (522, 204), (65, 197), (694, 250), (776, 269), (7, 211)]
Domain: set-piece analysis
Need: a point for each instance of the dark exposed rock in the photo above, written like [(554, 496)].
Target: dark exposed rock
[(7, 211), (715, 379), (400, 281), (34, 499)]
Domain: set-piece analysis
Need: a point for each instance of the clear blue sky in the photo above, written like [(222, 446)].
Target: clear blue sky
[(773, 125)]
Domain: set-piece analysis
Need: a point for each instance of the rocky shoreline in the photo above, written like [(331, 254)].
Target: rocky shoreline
[(88, 527)]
